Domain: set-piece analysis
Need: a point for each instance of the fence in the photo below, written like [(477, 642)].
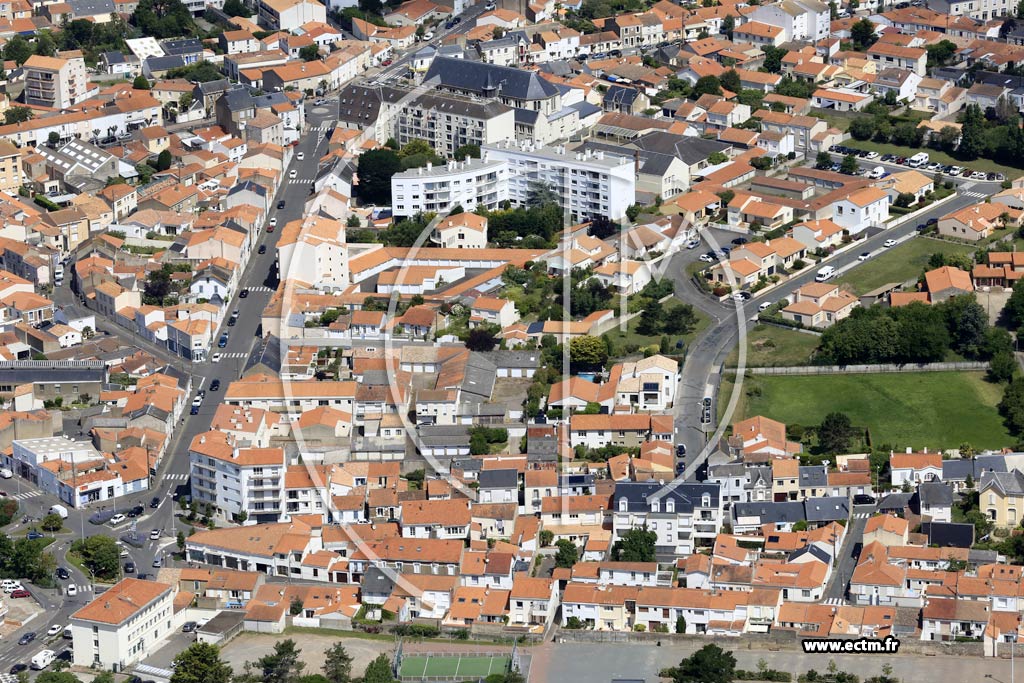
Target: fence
[(869, 369)]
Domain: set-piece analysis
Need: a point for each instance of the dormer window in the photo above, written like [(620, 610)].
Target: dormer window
[(705, 500), (656, 506), (670, 505), (623, 505)]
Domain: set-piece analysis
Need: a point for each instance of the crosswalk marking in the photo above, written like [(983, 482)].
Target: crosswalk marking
[(261, 288), (27, 494), (303, 181), (862, 515), (322, 128), (234, 354), (979, 195), (834, 601), (175, 477)]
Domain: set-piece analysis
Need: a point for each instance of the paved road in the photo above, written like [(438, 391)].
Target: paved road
[(399, 67), (846, 561)]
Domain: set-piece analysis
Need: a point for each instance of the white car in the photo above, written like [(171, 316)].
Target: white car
[(872, 155), (429, 35), (978, 175), (215, 358), (72, 589), (13, 586), (55, 629), (693, 244), (889, 243), (293, 173), (707, 258), (300, 156), (197, 401), (154, 534), (117, 519), (273, 222), (765, 306), (864, 256)]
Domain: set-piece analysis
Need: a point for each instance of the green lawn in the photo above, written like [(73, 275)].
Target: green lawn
[(936, 410), (768, 345), (632, 337), (935, 155), (899, 264)]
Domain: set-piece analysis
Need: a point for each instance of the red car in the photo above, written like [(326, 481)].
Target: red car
[(386, 62), (21, 593)]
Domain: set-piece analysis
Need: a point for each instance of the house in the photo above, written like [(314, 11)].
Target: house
[(886, 530), (498, 486), (820, 304), (461, 231), (532, 600), (933, 501), (685, 515), (841, 99), (914, 468), (492, 311), (1001, 497), (818, 234), (907, 182), (945, 282), (977, 222), (861, 209)]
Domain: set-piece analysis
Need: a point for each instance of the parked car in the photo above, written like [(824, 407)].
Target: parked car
[(129, 567), (863, 499), (21, 593), (741, 296), (117, 519), (33, 534), (194, 410), (764, 307), (189, 627), (864, 256), (223, 341), (280, 205), (27, 638), (136, 511), (300, 156), (387, 62), (693, 244), (54, 630), (262, 249), (889, 243), (18, 668)]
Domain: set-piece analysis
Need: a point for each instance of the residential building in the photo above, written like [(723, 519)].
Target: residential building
[(685, 515), (438, 189), (55, 83)]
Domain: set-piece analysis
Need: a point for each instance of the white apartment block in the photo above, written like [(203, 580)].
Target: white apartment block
[(54, 82), (975, 9), (799, 19), (244, 485), (589, 184), (447, 122), (685, 515), (438, 189), (123, 625)]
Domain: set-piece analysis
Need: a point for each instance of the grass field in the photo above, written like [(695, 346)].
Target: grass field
[(768, 345), (926, 409), (899, 264), (425, 666), (940, 157)]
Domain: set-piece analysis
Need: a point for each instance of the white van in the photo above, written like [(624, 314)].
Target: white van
[(5, 473), (59, 510), (825, 273), (876, 173), (918, 160), (43, 659), (67, 632)]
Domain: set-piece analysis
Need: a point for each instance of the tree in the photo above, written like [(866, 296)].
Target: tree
[(823, 160), (905, 199), (466, 151), (773, 58), (587, 353), (863, 34), (181, 541), (200, 663), (163, 19), (972, 133), (1002, 367), (337, 664), (481, 338), (375, 169), (539, 193), (680, 624), (18, 114), (636, 545), (379, 671), (100, 555), (164, 160), (731, 81), (728, 26), (546, 537), (1014, 308), (835, 433), (52, 522), (1012, 406), (651, 319), (310, 53), (940, 53), (710, 664), (236, 8), (849, 164), (567, 555), (283, 664), (908, 135), (140, 83), (18, 49), (707, 85)]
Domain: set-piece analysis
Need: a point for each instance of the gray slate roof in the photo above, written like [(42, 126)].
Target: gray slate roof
[(686, 495), (476, 77), (498, 479)]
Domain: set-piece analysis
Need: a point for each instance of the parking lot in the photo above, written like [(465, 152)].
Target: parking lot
[(920, 162)]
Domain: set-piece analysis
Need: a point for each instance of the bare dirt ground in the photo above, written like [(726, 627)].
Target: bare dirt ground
[(249, 647)]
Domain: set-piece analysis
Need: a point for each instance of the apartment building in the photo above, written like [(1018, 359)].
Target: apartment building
[(123, 625), (447, 122), (799, 19), (685, 515), (975, 9), (10, 168), (244, 485), (438, 189), (288, 15), (54, 82), (589, 184)]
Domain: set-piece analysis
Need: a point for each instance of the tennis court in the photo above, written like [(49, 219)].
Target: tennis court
[(420, 667)]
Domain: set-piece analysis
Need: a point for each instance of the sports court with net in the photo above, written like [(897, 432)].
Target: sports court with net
[(439, 667)]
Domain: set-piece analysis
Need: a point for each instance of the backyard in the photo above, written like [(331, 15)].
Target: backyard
[(899, 264), (936, 410), (935, 155), (769, 345)]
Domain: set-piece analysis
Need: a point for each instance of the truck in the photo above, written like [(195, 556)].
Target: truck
[(59, 510), (918, 160), (824, 274), (43, 659)]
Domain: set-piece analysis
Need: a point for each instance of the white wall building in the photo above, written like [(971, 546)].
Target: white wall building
[(590, 183), (438, 189), (237, 480), (123, 625), (862, 209), (684, 515)]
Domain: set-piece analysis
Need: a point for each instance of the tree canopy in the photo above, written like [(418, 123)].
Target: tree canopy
[(375, 169), (200, 663), (636, 545)]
